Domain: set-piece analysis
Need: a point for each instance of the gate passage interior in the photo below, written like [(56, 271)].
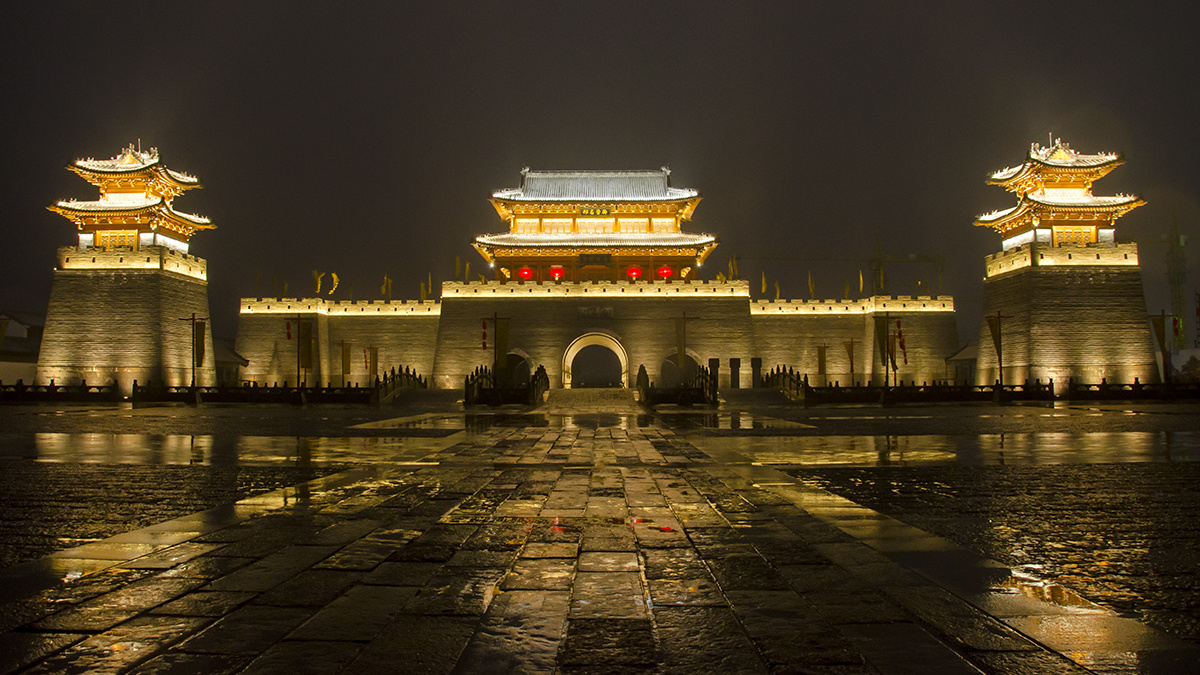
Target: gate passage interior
[(602, 340)]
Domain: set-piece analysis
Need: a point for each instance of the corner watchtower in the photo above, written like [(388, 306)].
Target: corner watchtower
[(1064, 296), (124, 297)]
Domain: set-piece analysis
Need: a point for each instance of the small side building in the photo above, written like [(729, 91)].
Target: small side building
[(20, 341)]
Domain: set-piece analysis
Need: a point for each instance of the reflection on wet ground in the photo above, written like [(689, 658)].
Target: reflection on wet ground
[(220, 450), (683, 539), (964, 450), (1124, 535), (851, 451)]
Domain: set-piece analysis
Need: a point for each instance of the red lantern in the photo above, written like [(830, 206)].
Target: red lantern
[(557, 272), (665, 272), (525, 273), (634, 272)]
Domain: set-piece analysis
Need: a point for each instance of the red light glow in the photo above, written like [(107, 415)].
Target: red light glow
[(525, 273), (634, 272), (665, 272), (557, 272)]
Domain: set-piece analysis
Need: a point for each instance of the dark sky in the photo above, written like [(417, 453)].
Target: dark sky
[(365, 138)]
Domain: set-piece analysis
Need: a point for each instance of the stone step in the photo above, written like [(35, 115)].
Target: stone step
[(621, 399)]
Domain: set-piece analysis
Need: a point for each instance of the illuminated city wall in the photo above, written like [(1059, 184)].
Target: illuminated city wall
[(546, 319), (1062, 321), (123, 321), (789, 333), (404, 332), (443, 340)]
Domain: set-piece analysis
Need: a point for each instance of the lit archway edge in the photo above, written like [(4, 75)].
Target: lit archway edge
[(587, 340)]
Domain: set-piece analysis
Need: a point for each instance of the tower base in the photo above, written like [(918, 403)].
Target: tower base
[(120, 316), (1067, 319)]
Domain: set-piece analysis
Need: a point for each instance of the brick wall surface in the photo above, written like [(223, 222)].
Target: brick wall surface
[(543, 329), (123, 325), (402, 341), (792, 341), (1059, 322), (445, 345)]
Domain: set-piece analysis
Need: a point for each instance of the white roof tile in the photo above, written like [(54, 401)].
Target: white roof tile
[(604, 186)]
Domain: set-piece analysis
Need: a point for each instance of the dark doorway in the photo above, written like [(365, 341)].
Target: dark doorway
[(669, 375), (518, 372), (596, 366)]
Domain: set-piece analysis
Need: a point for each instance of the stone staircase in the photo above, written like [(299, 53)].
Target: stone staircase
[(592, 400)]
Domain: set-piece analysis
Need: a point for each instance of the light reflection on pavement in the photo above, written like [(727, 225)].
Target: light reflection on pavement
[(850, 451)]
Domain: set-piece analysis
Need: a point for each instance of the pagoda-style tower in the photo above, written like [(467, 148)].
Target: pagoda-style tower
[(595, 226), (1065, 296), (128, 302)]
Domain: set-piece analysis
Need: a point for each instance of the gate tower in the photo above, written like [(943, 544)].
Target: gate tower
[(595, 226)]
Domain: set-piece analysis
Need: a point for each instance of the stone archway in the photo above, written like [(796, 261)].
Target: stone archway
[(669, 374), (599, 339)]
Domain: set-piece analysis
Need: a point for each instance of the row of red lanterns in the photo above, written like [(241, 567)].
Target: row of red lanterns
[(635, 272)]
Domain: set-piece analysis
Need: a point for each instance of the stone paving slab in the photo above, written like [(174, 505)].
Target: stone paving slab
[(631, 551)]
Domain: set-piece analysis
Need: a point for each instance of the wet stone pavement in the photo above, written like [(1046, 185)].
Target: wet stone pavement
[(597, 542), (1123, 535)]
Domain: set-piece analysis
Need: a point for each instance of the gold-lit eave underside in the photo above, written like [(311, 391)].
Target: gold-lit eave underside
[(491, 254), (1034, 175), (153, 180), (148, 219), (1027, 212), (684, 208)]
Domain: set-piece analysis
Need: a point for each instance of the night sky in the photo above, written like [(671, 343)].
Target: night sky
[(365, 138)]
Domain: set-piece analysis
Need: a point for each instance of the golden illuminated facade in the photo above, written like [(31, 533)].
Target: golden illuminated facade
[(129, 303), (598, 259), (595, 226), (134, 209), (1055, 201), (1063, 298)]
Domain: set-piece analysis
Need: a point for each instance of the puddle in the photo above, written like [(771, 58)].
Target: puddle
[(1028, 585)]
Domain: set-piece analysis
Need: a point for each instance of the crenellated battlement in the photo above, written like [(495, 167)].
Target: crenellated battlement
[(340, 307), (606, 289), (1027, 255), (874, 304), (144, 258)]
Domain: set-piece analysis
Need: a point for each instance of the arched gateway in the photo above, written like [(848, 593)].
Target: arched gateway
[(587, 340)]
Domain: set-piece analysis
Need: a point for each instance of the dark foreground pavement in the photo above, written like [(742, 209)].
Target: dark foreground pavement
[(584, 540)]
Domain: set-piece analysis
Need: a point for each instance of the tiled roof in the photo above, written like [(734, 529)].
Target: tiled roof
[(1083, 200), (115, 206), (130, 160), (572, 239), (1059, 155), (111, 204), (585, 186)]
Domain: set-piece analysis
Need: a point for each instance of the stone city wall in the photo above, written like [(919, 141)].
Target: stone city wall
[(405, 333), (550, 322), (789, 332), (546, 319), (1062, 321), (124, 325), (1026, 255), (146, 258)]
